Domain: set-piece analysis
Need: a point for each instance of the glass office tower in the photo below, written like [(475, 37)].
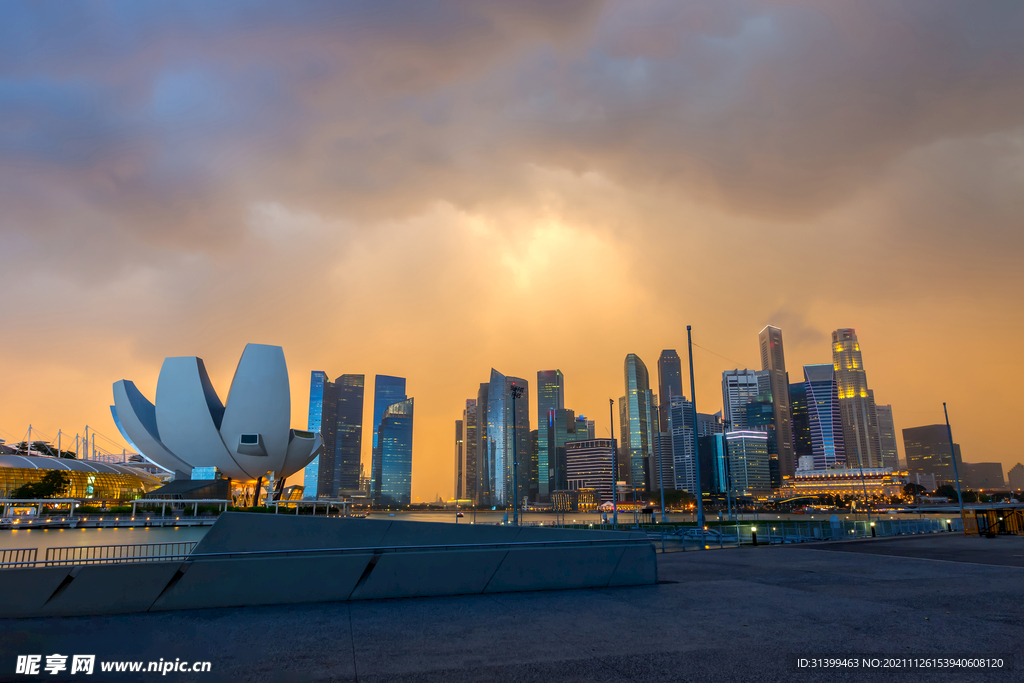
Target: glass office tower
[(738, 388), (336, 413), (502, 424), (562, 427), (824, 419), (348, 390), (636, 424), (392, 485), (550, 396), (801, 424), (773, 360), (887, 437), (317, 380), (484, 452), (680, 429), (387, 391), (670, 381)]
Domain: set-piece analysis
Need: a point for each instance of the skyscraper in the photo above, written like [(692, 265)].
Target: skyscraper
[(856, 401), (773, 359), (928, 452), (749, 469), (738, 388), (639, 428), (317, 381), (392, 476), (484, 452), (336, 412), (670, 381), (824, 419), (887, 437), (469, 446), (680, 429), (460, 461), (348, 450), (502, 424), (1015, 477), (562, 427), (550, 396), (801, 420), (387, 391)]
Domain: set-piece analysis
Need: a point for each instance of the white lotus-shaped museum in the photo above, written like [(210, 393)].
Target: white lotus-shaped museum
[(189, 427)]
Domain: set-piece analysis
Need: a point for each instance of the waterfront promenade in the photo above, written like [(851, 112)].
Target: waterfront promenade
[(717, 615)]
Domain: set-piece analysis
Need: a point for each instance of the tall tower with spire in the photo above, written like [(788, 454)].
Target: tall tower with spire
[(856, 401)]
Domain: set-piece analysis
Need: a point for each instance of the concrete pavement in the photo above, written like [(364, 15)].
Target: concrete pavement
[(718, 615)]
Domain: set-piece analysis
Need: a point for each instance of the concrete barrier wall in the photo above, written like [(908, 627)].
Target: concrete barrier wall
[(322, 574)]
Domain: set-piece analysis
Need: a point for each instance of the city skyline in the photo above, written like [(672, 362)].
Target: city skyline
[(561, 185)]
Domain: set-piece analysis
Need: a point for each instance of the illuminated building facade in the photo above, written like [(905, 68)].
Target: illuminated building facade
[(749, 469), (550, 396), (801, 420), (460, 462), (85, 479), (638, 419), (887, 437), (773, 360), (317, 383), (589, 464), (469, 446), (824, 418), (856, 401), (738, 388), (392, 476), (877, 481)]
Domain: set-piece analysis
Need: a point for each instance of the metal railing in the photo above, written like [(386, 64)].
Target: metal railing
[(102, 554), (160, 552), (14, 555), (777, 532)]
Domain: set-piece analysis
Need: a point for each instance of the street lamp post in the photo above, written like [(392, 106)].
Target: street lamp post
[(516, 392), (956, 473), (615, 464), (696, 454)]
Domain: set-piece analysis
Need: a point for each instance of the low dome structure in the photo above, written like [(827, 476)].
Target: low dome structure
[(189, 427)]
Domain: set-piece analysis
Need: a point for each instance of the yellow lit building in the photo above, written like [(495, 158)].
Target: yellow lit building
[(879, 481), (86, 479)]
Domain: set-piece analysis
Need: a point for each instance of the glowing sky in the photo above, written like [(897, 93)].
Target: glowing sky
[(432, 189)]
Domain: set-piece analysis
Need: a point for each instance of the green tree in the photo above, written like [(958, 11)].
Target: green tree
[(912, 489), (55, 484), (949, 491)]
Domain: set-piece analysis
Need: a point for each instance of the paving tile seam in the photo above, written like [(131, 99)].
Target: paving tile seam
[(913, 557), (571, 644)]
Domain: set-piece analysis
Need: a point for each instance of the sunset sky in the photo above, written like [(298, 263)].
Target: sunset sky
[(433, 189)]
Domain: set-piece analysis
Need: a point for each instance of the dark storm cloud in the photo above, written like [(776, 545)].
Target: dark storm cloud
[(388, 182)]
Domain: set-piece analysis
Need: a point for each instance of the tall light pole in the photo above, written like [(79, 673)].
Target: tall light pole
[(956, 474), (696, 453), (615, 464), (516, 392)]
